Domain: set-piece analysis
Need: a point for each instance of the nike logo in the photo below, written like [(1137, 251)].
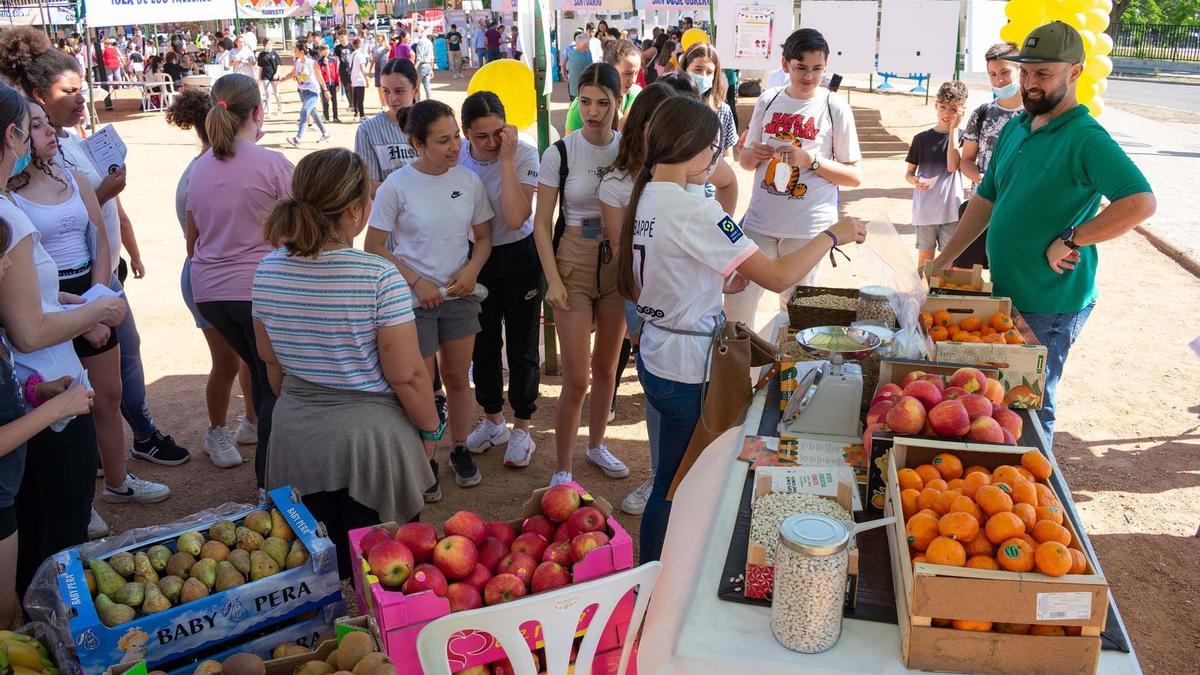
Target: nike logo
[(455, 195), (531, 294)]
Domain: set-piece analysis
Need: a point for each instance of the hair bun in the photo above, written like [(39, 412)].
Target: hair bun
[(18, 49)]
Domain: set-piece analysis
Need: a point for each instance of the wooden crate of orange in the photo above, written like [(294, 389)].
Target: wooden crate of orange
[(989, 575), (957, 281)]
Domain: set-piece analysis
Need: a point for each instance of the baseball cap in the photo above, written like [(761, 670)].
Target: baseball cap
[(1055, 42)]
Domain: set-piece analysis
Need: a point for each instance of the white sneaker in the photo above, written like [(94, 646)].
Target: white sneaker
[(220, 448), (97, 528), (612, 411), (520, 449), (135, 489), (486, 435), (611, 466), (635, 503), (560, 477), (247, 432)]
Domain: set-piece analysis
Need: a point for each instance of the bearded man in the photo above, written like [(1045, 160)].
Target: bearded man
[(1040, 202)]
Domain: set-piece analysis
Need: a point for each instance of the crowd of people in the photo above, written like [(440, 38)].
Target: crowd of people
[(356, 358)]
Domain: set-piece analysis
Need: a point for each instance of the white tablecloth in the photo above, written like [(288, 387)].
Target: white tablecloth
[(690, 630)]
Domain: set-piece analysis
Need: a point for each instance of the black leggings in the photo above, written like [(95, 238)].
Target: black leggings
[(54, 503), (233, 320), (357, 104)]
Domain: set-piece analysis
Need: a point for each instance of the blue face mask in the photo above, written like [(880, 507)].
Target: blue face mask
[(703, 82), (22, 161), (1007, 91)]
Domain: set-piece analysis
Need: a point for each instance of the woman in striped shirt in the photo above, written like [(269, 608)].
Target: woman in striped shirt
[(335, 327)]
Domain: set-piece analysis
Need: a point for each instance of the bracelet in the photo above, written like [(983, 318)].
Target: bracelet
[(832, 236), (31, 397), (434, 435)]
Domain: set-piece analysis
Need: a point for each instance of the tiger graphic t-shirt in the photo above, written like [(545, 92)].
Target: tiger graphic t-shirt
[(795, 202)]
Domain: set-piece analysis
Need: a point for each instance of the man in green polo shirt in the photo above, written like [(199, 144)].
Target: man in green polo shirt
[(1040, 199)]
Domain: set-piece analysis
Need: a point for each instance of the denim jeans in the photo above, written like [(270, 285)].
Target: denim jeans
[(679, 405), (133, 377), (1057, 332), (308, 106)]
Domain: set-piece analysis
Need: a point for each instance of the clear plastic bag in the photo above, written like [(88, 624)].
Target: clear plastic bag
[(893, 267)]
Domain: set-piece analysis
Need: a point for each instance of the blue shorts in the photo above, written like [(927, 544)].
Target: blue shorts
[(185, 285)]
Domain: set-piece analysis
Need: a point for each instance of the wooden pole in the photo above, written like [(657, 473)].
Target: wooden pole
[(541, 75)]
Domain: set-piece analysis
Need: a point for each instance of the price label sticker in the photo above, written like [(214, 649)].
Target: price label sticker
[(1064, 606)]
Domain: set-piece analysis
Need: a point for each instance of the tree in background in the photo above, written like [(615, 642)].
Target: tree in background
[(1156, 11)]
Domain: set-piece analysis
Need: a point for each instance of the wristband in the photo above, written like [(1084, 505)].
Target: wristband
[(434, 435), (31, 397), (832, 236)]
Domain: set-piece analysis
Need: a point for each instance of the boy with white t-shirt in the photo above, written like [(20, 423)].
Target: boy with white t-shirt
[(802, 145)]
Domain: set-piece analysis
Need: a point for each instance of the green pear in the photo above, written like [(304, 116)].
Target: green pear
[(111, 613), (108, 582), (259, 521), (193, 589), (280, 527), (190, 542), (248, 539), (262, 566), (89, 577), (223, 531), (122, 563), (143, 571), (159, 555), (205, 570), (297, 556), (228, 576), (180, 564), (170, 587), (131, 594), (240, 559), (155, 600), (277, 549), (214, 550)]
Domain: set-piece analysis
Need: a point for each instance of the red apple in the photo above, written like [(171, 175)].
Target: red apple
[(949, 420), (491, 553), (878, 410), (426, 578), (538, 524), (586, 519), (466, 524), (1009, 420), (420, 538), (952, 393), (370, 539), (563, 533), (462, 597), (479, 577), (559, 502), (906, 417), (391, 562), (976, 405), (868, 435), (474, 670), (971, 379), (530, 544), (1009, 439), (994, 391), (583, 544), (500, 530), (520, 565), (925, 392), (559, 552), (936, 380), (503, 588), (888, 390), (987, 430), (455, 556), (911, 377), (549, 575)]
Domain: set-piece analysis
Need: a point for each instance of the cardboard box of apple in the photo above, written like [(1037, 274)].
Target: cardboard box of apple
[(408, 575), (966, 406)]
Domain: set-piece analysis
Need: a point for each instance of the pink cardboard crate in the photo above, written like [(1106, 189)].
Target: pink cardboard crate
[(607, 662), (401, 617)]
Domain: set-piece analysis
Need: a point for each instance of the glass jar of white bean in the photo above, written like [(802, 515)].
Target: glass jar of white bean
[(811, 568)]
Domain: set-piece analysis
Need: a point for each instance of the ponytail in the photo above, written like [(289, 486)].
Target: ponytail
[(234, 99), (299, 227), (324, 185), (626, 282)]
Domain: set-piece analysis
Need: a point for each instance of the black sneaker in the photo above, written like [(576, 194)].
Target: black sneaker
[(434, 493), (160, 449), (443, 407), (466, 473)]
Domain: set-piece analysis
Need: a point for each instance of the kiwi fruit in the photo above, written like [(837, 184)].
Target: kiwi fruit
[(314, 668), (209, 667), (243, 664), (353, 647), (375, 664), (289, 649), (332, 659)]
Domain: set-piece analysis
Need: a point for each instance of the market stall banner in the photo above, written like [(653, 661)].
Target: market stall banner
[(33, 16), (102, 13), (672, 5), (594, 5), (273, 9)]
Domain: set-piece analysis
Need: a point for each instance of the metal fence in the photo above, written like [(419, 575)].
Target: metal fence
[(1168, 42)]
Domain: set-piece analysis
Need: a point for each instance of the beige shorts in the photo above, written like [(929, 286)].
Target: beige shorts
[(578, 260)]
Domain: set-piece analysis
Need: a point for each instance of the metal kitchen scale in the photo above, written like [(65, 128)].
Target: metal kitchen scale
[(828, 392)]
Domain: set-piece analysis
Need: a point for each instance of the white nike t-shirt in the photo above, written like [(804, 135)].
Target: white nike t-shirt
[(492, 174), (431, 218), (684, 246)]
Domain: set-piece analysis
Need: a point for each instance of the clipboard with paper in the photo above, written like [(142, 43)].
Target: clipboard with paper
[(106, 150)]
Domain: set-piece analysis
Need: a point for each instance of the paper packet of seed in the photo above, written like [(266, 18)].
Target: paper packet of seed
[(833, 482)]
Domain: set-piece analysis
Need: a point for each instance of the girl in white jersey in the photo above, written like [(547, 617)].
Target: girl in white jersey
[(677, 250)]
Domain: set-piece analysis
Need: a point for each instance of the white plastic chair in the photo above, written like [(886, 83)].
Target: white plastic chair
[(558, 612), (163, 87)]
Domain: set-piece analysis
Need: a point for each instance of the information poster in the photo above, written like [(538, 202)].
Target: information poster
[(759, 29), (849, 26), (752, 32)]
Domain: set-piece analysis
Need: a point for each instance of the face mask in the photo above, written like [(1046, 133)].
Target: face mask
[(1007, 91), (22, 161), (703, 82)]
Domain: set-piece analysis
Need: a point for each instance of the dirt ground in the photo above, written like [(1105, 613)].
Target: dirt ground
[(1128, 441)]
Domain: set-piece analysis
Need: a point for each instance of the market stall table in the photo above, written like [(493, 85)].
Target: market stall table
[(197, 81), (690, 630)]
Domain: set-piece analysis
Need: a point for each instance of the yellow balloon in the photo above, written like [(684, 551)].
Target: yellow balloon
[(1015, 32), (1015, 9), (1102, 87), (691, 36), (1096, 106), (1089, 41), (1097, 20), (1104, 45), (1085, 90), (1098, 67), (512, 82), (1105, 5), (1077, 20), (1073, 6)]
